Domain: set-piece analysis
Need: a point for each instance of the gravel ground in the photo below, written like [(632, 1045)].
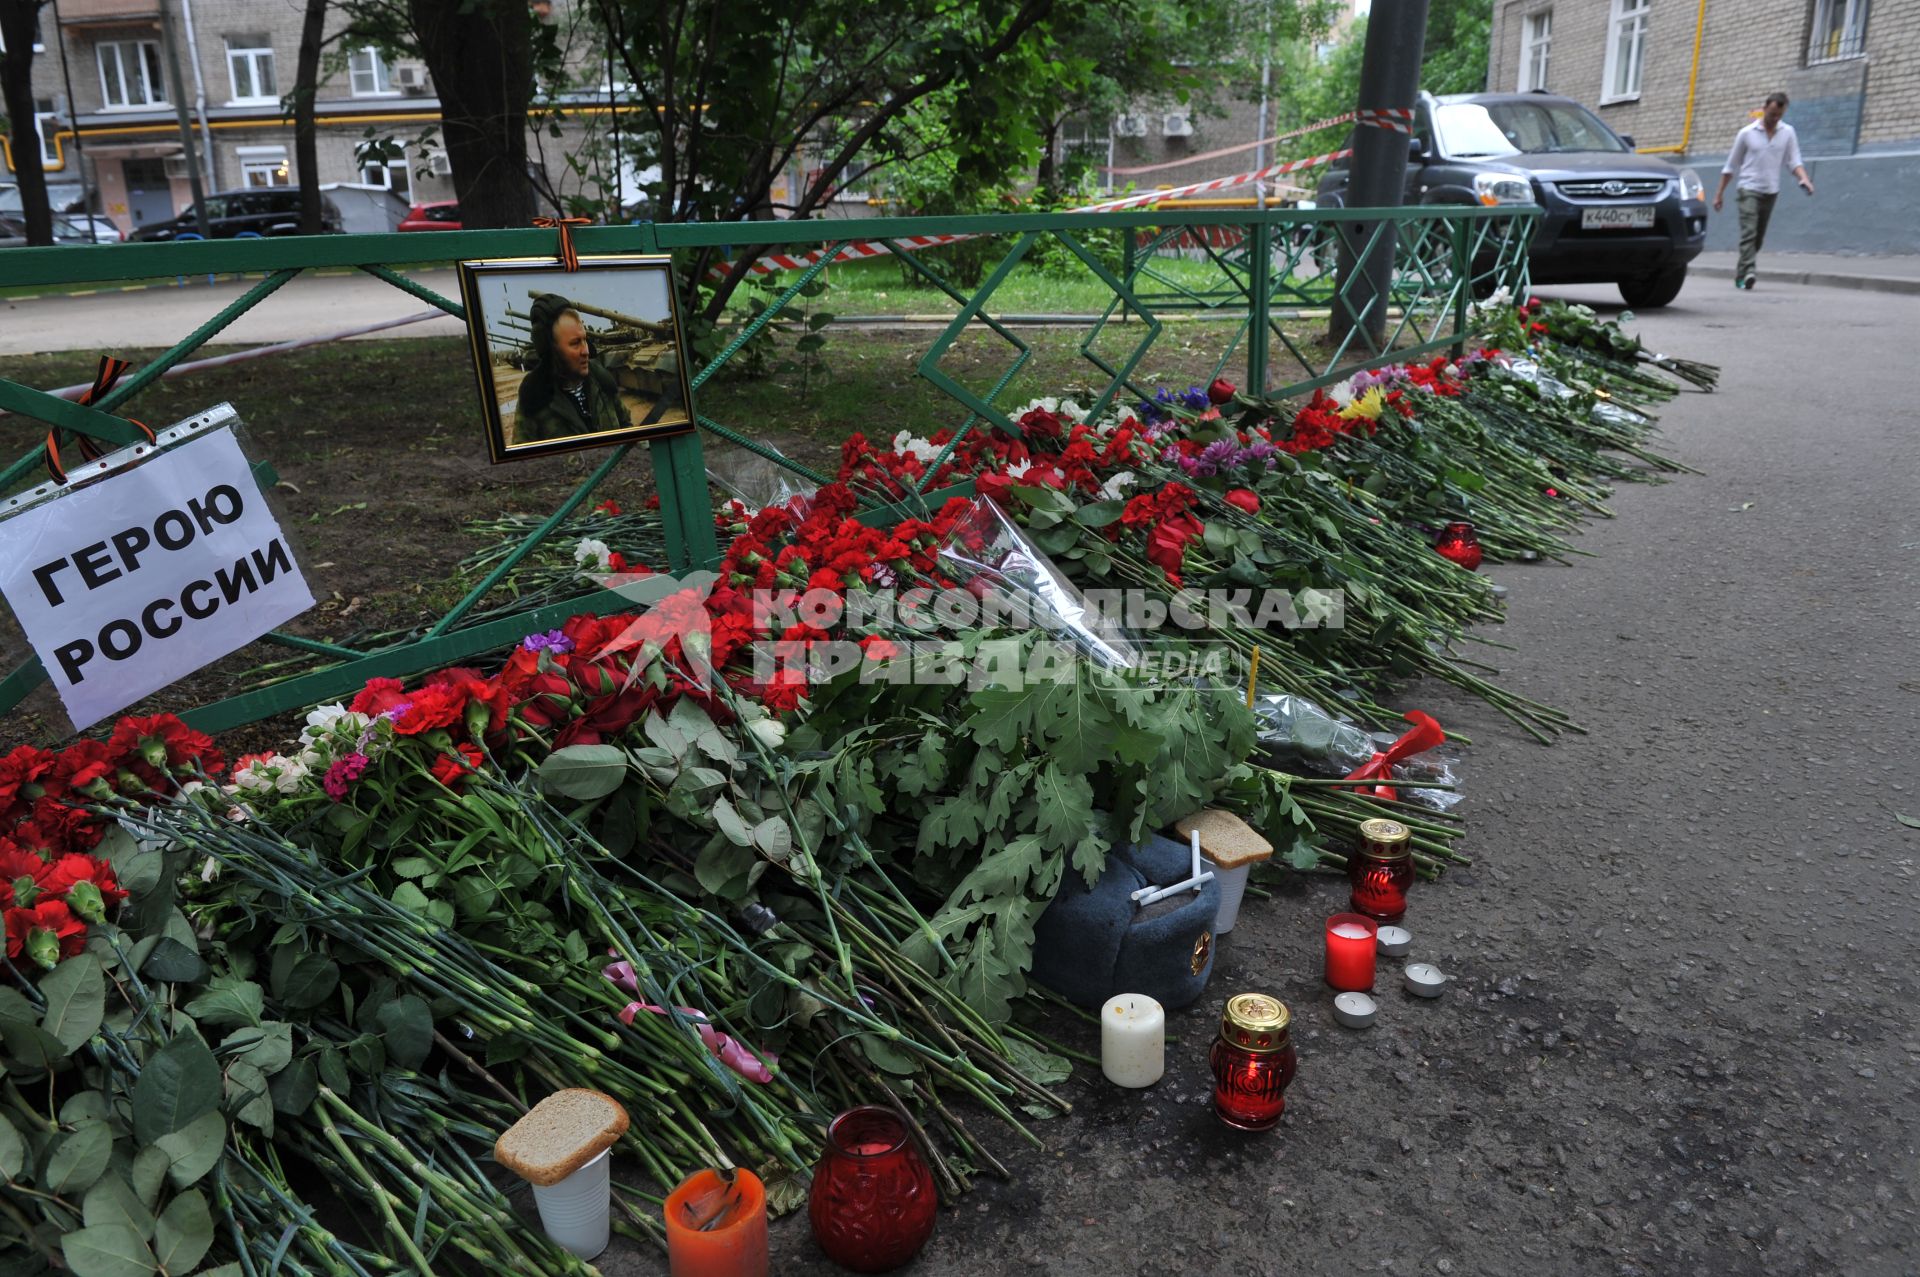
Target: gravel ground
[(1680, 1036)]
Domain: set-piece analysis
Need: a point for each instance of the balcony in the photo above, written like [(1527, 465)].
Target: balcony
[(100, 13)]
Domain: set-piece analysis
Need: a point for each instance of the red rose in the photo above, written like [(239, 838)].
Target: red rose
[(1220, 392), (1244, 499)]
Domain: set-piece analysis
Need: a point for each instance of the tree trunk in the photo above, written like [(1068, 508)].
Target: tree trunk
[(481, 58), (1049, 144), (306, 157), (17, 23)]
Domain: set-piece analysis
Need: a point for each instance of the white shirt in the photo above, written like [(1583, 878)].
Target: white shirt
[(1757, 157)]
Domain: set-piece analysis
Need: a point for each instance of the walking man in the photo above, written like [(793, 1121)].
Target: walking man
[(1758, 151)]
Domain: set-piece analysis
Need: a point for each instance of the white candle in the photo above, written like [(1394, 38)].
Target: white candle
[(1133, 1040), (1350, 930), (1425, 980), (1394, 941), (1355, 1010)]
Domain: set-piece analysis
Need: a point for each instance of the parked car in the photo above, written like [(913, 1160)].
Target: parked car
[(440, 215), (260, 210), (1612, 216), (66, 230)]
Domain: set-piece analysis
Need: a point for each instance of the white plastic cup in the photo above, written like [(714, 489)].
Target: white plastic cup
[(1233, 885), (576, 1211)]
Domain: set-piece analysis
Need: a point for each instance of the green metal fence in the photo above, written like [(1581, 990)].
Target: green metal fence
[(1270, 267)]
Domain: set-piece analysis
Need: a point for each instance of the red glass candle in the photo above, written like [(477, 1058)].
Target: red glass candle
[(1253, 1060), (1350, 944), (1381, 869), (873, 1200), (1458, 543)]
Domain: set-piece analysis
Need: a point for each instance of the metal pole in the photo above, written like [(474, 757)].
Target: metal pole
[(179, 96), (1390, 79), (1266, 79), (73, 118)]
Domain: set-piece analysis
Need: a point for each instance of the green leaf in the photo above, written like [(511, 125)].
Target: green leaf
[(333, 1070), (108, 1250), (228, 1000), (192, 1150), (1099, 514), (16, 1011), (1042, 1067), (584, 771), (407, 1025), (1303, 856), (310, 982), (183, 1232), (247, 1097), (87, 1106), (1909, 821), (149, 1173), (410, 897), (722, 868), (773, 837), (412, 867), (110, 1201), (886, 1055), (730, 823), (293, 1088), (267, 1047), (180, 1083), (80, 1158), (13, 1150), (76, 994), (1065, 808), (174, 961)]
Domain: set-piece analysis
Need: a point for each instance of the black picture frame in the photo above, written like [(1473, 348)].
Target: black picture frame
[(521, 318)]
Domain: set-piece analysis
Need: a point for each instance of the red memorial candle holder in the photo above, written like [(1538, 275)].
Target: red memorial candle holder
[(1459, 544), (1350, 946), (1381, 870), (873, 1200), (1253, 1061)]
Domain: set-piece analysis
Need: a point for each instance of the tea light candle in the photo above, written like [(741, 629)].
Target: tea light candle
[(1350, 943), (1355, 1010), (1425, 980), (1394, 941), (1133, 1040)]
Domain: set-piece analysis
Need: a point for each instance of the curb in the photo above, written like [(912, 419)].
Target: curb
[(1822, 279)]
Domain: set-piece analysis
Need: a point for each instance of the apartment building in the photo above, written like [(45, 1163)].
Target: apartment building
[(105, 75), (1682, 76)]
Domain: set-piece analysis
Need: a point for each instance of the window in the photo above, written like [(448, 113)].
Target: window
[(1626, 48), (368, 71), (46, 121), (1469, 130), (1839, 30), (250, 67), (394, 173), (263, 166), (1536, 47), (130, 74)]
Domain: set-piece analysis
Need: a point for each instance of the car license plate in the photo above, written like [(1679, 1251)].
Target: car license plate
[(1617, 219)]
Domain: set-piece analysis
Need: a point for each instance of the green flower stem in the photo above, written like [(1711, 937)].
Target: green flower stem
[(401, 1237)]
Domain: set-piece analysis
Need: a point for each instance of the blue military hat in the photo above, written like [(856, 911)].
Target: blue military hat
[(1094, 942)]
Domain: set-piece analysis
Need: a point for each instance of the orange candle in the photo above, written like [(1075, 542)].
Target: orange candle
[(715, 1229)]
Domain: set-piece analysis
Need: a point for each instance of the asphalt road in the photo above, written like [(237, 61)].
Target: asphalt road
[(1681, 1037)]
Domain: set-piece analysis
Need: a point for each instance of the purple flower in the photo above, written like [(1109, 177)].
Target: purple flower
[(552, 641), (1220, 455)]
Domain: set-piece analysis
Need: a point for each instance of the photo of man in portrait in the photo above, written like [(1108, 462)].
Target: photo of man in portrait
[(567, 391)]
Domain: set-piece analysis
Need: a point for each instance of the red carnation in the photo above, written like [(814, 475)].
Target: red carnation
[(158, 746), (1244, 499), (46, 933), (451, 769)]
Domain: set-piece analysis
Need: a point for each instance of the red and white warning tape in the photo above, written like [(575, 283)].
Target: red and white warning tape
[(1290, 134), (1395, 119)]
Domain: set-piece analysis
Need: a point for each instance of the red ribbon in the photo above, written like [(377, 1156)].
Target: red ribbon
[(568, 258), (1424, 735), (109, 371)]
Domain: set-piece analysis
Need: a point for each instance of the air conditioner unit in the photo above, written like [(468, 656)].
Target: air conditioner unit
[(439, 164), (410, 77), (1177, 124), (1130, 126), (176, 166)]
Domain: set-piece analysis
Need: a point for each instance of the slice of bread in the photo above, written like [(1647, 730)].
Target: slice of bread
[(1225, 839), (559, 1135)]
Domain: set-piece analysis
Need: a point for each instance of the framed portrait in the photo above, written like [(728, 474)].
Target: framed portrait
[(576, 359)]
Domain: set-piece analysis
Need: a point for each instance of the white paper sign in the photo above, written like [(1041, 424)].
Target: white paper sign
[(142, 578)]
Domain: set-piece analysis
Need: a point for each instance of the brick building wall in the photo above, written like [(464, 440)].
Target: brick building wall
[(1858, 118)]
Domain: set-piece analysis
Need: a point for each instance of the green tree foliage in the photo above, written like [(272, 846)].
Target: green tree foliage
[(1458, 32)]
